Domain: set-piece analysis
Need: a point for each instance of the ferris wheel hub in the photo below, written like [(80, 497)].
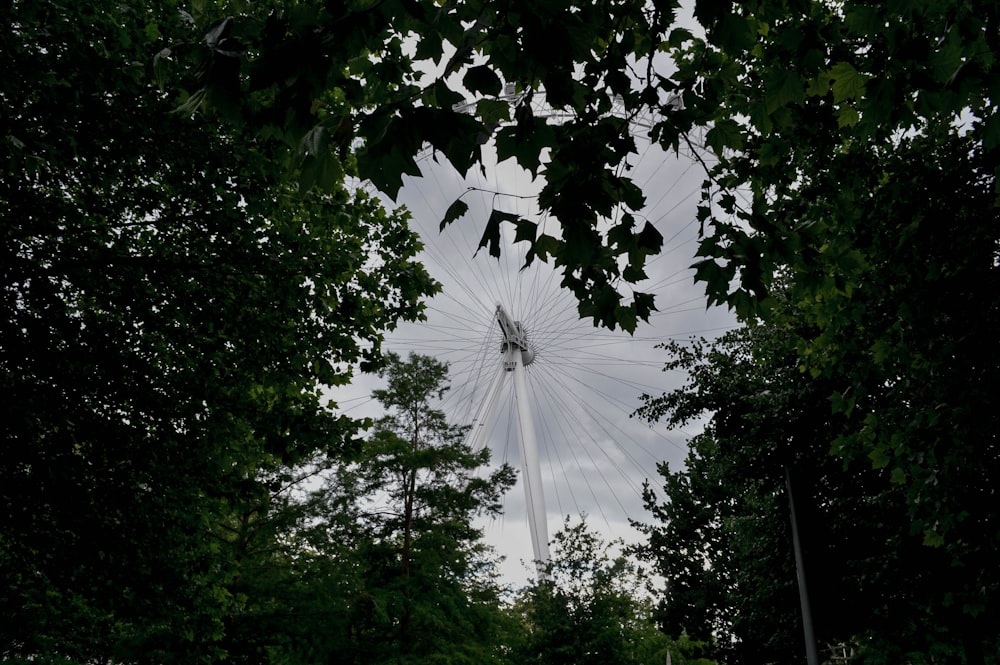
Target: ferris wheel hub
[(515, 338)]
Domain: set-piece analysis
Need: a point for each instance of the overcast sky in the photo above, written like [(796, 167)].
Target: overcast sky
[(585, 382)]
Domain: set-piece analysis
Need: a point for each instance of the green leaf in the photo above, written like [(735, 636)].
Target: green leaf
[(847, 82), (784, 87), (881, 350), (644, 304), (724, 134), (392, 143), (842, 402), (948, 58), (650, 240), (506, 143), (932, 538), (771, 153), (525, 230), (458, 135), (491, 234), (633, 273), (545, 246), (482, 80), (331, 172), (493, 111), (456, 210), (442, 96), (864, 21), (386, 170), (847, 116), (429, 47), (879, 456), (152, 32), (626, 318), (715, 277), (526, 143), (678, 36), (819, 86), (760, 117), (734, 33)]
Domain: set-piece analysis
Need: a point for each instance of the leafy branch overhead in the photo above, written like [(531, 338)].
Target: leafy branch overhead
[(363, 88)]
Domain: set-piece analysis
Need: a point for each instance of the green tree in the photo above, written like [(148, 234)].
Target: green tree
[(172, 314), (865, 138), (722, 540), (293, 593), (809, 107), (857, 147), (589, 606), (179, 289), (401, 511)]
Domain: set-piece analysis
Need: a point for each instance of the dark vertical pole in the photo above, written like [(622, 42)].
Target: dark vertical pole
[(812, 657)]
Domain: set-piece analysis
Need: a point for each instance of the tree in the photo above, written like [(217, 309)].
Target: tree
[(857, 155), (401, 512), (588, 607), (172, 314), (722, 540), (857, 143)]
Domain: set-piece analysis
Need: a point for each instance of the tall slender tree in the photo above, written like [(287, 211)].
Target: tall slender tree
[(402, 510)]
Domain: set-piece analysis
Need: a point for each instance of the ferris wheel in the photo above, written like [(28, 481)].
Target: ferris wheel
[(542, 389)]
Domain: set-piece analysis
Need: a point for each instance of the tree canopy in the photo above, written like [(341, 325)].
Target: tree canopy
[(776, 84), (172, 315), (392, 527), (589, 606), (844, 136), (722, 536), (361, 88)]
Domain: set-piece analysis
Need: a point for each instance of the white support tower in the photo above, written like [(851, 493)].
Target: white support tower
[(517, 354)]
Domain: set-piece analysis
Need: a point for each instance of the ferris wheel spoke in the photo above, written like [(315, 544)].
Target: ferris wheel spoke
[(616, 435), (578, 437)]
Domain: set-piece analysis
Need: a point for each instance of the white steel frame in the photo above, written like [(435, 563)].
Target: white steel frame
[(517, 354)]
